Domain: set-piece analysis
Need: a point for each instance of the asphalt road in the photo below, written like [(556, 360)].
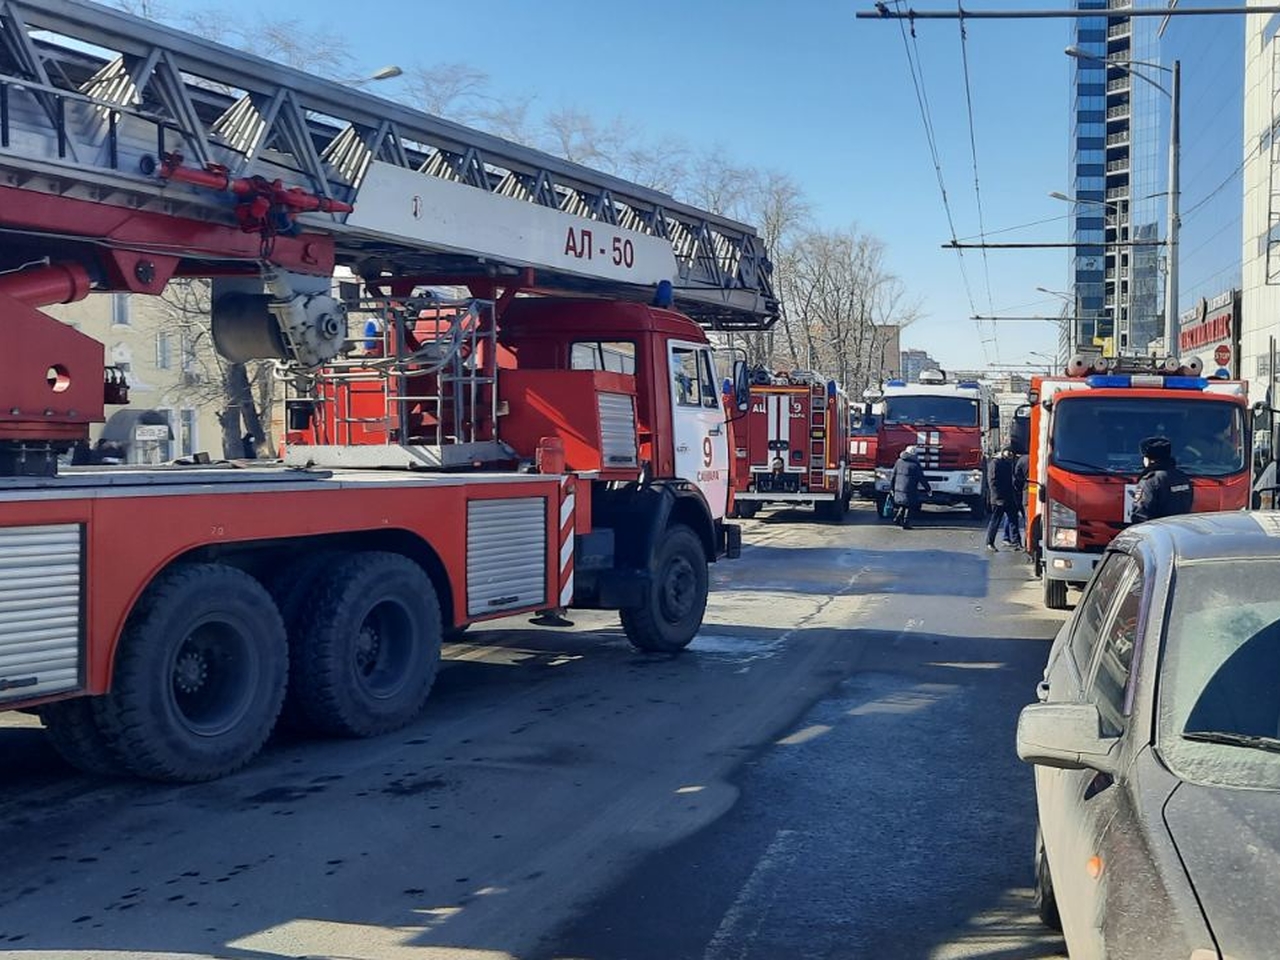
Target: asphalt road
[(827, 772)]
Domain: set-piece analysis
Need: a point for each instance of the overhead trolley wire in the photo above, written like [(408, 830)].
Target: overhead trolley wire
[(973, 153), (922, 102)]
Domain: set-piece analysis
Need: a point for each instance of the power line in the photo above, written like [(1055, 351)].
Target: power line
[(922, 102), (882, 12), (977, 188)]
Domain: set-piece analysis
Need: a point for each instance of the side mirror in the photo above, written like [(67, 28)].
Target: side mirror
[(1067, 736), (741, 386)]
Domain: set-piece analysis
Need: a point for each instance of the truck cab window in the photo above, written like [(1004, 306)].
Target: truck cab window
[(612, 356), (710, 391), (686, 376)]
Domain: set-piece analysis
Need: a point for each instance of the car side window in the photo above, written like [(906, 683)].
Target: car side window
[(1092, 611), (686, 377), (1109, 684)]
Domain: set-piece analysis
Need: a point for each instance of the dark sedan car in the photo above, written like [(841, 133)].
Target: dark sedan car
[(1157, 747)]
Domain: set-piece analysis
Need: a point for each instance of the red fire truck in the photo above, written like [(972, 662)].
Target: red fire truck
[(864, 443), (1085, 432), (512, 452), (954, 427), (792, 445)]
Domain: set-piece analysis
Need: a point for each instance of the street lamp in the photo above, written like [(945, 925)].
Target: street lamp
[(1174, 93), (382, 73)]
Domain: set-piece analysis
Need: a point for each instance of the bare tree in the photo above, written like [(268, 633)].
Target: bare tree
[(241, 394)]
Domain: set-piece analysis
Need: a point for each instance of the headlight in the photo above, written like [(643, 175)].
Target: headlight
[(975, 476), (1062, 526)]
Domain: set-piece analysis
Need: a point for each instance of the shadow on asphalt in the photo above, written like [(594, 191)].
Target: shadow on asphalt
[(852, 570), (892, 820)]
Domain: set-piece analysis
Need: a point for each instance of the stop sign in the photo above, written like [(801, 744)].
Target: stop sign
[(1222, 355)]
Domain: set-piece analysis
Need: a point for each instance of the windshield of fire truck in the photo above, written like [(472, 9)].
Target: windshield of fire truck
[(1103, 434), (938, 411), (864, 426)]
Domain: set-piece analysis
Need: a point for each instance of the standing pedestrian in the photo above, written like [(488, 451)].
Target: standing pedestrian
[(1163, 490), (907, 483), (1014, 522), (1001, 494)]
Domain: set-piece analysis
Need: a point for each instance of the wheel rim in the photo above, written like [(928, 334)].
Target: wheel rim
[(213, 678), (383, 650), (679, 589)]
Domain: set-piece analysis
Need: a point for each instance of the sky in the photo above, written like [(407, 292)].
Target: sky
[(804, 88)]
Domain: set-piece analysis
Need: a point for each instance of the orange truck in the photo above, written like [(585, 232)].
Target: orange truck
[(1085, 431), (792, 445)]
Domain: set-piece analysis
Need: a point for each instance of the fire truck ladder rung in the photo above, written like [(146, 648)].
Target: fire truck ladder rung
[(114, 91)]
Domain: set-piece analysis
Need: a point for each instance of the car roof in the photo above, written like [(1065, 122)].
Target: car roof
[(1207, 536)]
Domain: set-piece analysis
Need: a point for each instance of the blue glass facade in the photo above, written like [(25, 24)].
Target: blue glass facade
[(1116, 179)]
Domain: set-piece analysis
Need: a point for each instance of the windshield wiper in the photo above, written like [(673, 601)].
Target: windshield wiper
[(1100, 468), (1252, 740)]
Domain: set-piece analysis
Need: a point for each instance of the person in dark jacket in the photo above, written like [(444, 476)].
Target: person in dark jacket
[(908, 483), (1163, 490), (1013, 524), (1001, 494)]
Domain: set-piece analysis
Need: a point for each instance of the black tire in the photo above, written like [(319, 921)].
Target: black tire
[(832, 511), (367, 647), (671, 615), (291, 586), (1055, 593), (978, 508), (1046, 902), (75, 736), (746, 509), (199, 675)]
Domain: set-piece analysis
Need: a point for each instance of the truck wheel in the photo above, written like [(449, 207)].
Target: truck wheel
[(367, 646), (76, 737), (978, 508), (672, 613), (291, 587), (1055, 593), (746, 509), (199, 676)]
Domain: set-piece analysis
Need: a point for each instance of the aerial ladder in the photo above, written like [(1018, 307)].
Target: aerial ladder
[(555, 439)]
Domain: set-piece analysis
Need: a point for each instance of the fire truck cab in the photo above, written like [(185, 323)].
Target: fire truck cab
[(954, 428), (1085, 461)]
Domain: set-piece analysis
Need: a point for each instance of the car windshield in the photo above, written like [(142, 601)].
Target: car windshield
[(1103, 434), (1219, 711), (942, 411)]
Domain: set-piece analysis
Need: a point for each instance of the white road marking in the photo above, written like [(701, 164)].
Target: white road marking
[(749, 912)]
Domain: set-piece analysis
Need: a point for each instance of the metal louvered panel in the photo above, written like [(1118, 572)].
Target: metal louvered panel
[(617, 429), (40, 610), (506, 554)]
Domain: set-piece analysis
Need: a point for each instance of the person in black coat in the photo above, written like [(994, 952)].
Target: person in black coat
[(1002, 494), (1163, 490), (907, 482), (1012, 525)]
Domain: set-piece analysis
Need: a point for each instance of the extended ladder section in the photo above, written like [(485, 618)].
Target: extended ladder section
[(99, 105)]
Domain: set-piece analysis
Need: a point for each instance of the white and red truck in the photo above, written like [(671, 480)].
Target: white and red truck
[(555, 440), (954, 426), (792, 445)]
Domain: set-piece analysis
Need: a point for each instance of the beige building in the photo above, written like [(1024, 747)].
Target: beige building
[(175, 382), (1260, 267)]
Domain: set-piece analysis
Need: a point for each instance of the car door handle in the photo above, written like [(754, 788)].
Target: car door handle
[(714, 431), (1042, 691)]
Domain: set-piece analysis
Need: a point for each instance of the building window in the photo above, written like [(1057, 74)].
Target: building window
[(120, 309), (164, 351), (188, 353), (187, 431)]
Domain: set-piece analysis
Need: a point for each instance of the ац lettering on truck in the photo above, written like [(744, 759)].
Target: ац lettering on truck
[(1085, 458), (954, 428)]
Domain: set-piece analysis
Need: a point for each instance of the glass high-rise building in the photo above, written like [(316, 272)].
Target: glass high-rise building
[(1117, 179)]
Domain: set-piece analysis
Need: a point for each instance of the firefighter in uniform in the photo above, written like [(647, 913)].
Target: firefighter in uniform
[(1163, 490)]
